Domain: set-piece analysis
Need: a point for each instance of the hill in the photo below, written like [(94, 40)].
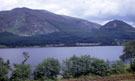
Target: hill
[(114, 31), (28, 22), (23, 27)]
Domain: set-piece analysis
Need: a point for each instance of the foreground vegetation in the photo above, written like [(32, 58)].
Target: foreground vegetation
[(73, 67), (50, 68)]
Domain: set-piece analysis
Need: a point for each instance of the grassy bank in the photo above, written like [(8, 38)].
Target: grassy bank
[(118, 77)]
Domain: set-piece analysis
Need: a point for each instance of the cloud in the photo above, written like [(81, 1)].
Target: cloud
[(93, 10)]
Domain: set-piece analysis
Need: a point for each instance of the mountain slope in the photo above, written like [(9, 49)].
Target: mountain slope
[(118, 29), (114, 31), (25, 22), (22, 27)]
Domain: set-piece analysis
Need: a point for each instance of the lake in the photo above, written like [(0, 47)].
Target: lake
[(37, 55)]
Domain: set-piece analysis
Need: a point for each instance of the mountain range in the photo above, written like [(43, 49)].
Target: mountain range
[(29, 27)]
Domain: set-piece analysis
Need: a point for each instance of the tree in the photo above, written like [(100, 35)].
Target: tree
[(48, 69), (26, 57), (129, 53), (77, 66), (4, 69), (100, 67), (22, 71)]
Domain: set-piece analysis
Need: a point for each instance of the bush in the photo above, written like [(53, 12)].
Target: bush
[(22, 71), (132, 66), (48, 69), (77, 66), (4, 68), (100, 67), (118, 67)]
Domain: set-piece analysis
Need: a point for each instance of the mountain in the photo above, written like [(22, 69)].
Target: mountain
[(118, 29), (115, 31), (28, 22), (23, 27), (119, 25)]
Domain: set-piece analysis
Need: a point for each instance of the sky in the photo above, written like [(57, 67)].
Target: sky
[(99, 11)]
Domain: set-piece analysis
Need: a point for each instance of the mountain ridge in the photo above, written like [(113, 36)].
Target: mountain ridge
[(22, 27), (116, 31), (24, 21)]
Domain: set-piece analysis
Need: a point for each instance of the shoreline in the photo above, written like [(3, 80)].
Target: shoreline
[(55, 46)]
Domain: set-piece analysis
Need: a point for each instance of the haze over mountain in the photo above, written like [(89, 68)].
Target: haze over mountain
[(28, 27)]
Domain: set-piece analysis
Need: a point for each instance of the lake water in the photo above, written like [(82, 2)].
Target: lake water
[(37, 55)]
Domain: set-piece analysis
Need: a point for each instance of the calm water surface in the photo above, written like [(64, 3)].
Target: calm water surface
[(37, 55)]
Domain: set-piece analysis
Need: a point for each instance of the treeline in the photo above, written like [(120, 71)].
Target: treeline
[(50, 68), (11, 40)]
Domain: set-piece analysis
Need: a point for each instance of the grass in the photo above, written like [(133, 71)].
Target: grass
[(128, 80), (95, 77)]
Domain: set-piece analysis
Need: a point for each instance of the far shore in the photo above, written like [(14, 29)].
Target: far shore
[(56, 46)]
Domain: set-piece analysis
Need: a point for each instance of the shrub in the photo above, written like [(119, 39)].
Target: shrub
[(132, 66), (48, 69), (118, 67), (100, 67), (77, 66), (4, 68), (21, 72)]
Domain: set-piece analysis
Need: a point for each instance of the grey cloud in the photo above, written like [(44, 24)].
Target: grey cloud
[(93, 10)]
